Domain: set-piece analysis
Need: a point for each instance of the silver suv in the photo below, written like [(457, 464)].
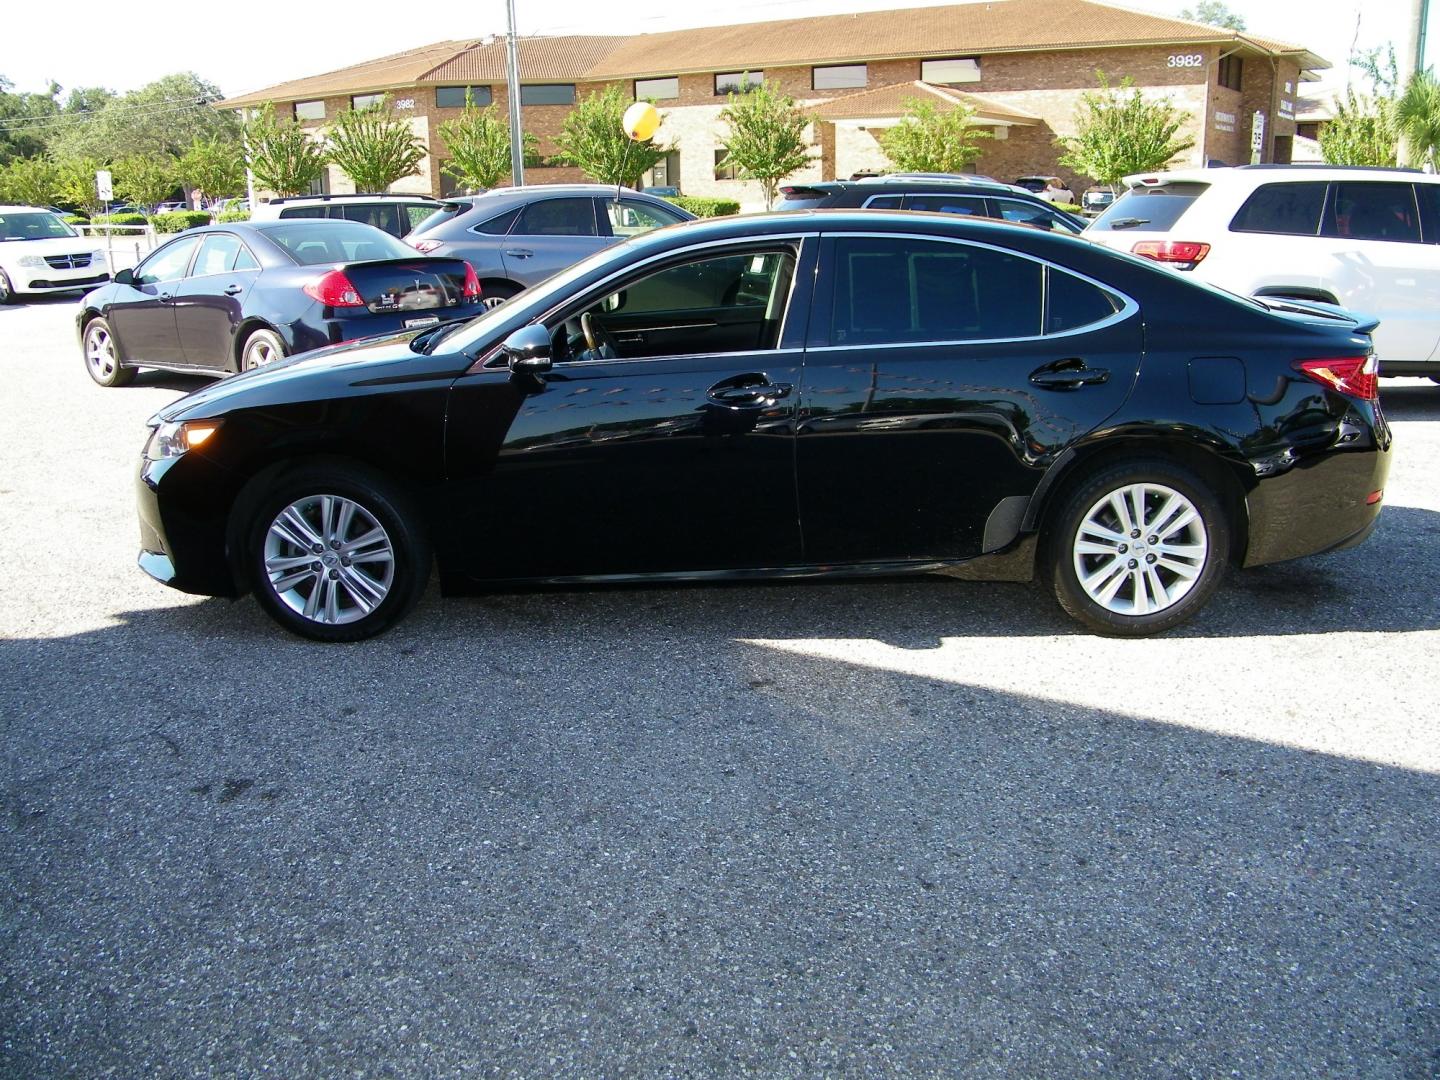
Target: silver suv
[(517, 237), (396, 213)]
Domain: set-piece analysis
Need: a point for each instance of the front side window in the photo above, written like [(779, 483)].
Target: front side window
[(1286, 209), (453, 97), (960, 70), (558, 217), (167, 264), (839, 77), (631, 218), (309, 110), (657, 89), (737, 82), (1373, 211), (898, 290), (548, 94), (217, 254)]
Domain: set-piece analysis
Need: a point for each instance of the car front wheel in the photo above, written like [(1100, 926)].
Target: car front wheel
[(102, 360), (337, 554), (1138, 548)]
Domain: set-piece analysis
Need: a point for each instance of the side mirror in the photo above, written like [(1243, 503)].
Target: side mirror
[(124, 277), (527, 350)]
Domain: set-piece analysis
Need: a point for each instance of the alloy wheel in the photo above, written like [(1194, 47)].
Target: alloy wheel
[(260, 352), (329, 559), (100, 353), (1140, 549)]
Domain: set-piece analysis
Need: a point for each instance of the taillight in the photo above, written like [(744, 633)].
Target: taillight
[(426, 246), (334, 290), (1353, 375), (471, 290), (1183, 253)]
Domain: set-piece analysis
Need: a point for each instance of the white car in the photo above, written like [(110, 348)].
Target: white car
[(39, 253), (395, 212), (1366, 239)]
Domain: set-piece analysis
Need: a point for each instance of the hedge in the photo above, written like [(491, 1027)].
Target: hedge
[(232, 215), (702, 207), (75, 219), (180, 220), (117, 219)]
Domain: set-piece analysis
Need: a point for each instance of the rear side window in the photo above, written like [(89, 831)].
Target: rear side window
[(800, 198), (900, 291), (1071, 303), (416, 214), (1373, 211), (382, 215), (883, 202), (498, 226), (1428, 196), (305, 212), (946, 204), (1286, 209), (1150, 209), (558, 217)]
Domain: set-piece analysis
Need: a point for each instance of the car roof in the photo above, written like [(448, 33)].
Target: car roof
[(1255, 175), (17, 208), (381, 196)]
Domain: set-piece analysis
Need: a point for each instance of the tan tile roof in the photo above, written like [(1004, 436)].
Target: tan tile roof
[(958, 29), (892, 101), (398, 69), (541, 59)]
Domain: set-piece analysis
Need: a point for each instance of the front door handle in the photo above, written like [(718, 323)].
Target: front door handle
[(166, 297), (1068, 375), (761, 394), (518, 253)]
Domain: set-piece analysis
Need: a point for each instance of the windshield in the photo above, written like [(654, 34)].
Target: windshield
[(313, 243), (33, 225), (1149, 209)]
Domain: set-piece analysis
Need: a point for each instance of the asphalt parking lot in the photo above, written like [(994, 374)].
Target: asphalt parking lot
[(888, 828)]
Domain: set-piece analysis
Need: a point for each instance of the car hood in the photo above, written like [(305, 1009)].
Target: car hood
[(58, 245), (367, 366)]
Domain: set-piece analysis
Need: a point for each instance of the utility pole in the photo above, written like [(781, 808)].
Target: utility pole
[(512, 90)]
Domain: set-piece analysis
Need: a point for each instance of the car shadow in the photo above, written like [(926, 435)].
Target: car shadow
[(152, 379), (1412, 401), (539, 827)]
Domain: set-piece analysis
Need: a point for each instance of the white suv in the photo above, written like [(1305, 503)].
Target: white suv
[(396, 213), (1366, 239), (39, 253)]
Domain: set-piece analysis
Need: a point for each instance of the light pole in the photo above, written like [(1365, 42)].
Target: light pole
[(512, 89)]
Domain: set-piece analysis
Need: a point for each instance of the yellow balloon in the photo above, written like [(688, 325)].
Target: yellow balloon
[(641, 121)]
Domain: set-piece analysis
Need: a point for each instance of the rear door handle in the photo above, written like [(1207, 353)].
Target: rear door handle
[(518, 253), (234, 290), (1068, 375)]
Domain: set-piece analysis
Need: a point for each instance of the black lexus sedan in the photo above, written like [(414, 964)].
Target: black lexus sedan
[(801, 394), (226, 298)]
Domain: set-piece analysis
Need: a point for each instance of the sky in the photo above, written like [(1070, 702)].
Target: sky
[(262, 42)]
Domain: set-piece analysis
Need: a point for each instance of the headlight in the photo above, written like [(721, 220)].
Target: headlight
[(31, 260), (171, 440)]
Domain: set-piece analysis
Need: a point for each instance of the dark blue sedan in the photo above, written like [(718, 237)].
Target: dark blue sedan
[(227, 298)]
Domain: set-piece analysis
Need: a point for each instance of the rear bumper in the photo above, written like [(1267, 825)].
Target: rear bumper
[(320, 332)]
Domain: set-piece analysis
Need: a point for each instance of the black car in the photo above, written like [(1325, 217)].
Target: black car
[(787, 395), (971, 196), (226, 298)]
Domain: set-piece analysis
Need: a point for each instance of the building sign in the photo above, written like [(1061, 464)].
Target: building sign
[(104, 185), (1225, 121), (1185, 60), (405, 103), (1287, 110), (1257, 137)]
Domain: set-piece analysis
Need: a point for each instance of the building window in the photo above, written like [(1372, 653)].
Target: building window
[(726, 172), (309, 110), (737, 82), (657, 89), (950, 71), (321, 184), (366, 101), (1230, 72), (548, 94), (453, 97), (842, 77)]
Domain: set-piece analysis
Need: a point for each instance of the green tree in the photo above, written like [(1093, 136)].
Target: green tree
[(27, 121), (214, 166), (1364, 131), (479, 144), (1118, 132), (374, 147), (1213, 13), (75, 183), (29, 181), (146, 180), (283, 156), (161, 118), (1418, 115), (593, 140), (928, 140), (767, 138)]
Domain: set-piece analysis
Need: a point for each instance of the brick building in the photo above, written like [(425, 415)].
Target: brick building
[(1021, 64)]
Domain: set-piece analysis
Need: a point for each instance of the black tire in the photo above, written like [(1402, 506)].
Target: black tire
[(261, 347), (1147, 570), (102, 357), (494, 294), (7, 293), (376, 502)]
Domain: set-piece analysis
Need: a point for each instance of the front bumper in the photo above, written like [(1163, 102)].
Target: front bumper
[(183, 506), (48, 280)]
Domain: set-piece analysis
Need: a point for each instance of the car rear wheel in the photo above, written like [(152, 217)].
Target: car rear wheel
[(261, 348), (492, 296), (1138, 548), (337, 554), (102, 360)]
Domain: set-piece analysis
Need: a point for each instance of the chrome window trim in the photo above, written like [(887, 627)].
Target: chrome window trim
[(1128, 306), (886, 195), (583, 364)]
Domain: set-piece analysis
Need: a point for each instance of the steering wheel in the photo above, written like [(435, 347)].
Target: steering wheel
[(597, 338)]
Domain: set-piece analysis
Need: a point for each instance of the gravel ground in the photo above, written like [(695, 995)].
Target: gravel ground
[(889, 828)]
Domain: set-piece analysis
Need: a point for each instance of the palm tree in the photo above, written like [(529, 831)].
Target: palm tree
[(1418, 112)]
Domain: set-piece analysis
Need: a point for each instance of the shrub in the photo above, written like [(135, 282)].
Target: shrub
[(76, 219), (227, 216), (1068, 207), (703, 207), (117, 219), (180, 220)]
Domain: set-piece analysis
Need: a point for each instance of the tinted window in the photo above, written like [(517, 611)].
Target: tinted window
[(804, 199), (33, 225), (244, 260), (552, 94), (499, 226), (632, 218), (1373, 211), (315, 243), (737, 82), (217, 254), (453, 97), (883, 202), (558, 217), (1153, 209), (381, 215), (656, 89), (305, 211), (1428, 195), (416, 214), (1290, 209), (1029, 214), (946, 204), (167, 264), (904, 290), (1071, 303)]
